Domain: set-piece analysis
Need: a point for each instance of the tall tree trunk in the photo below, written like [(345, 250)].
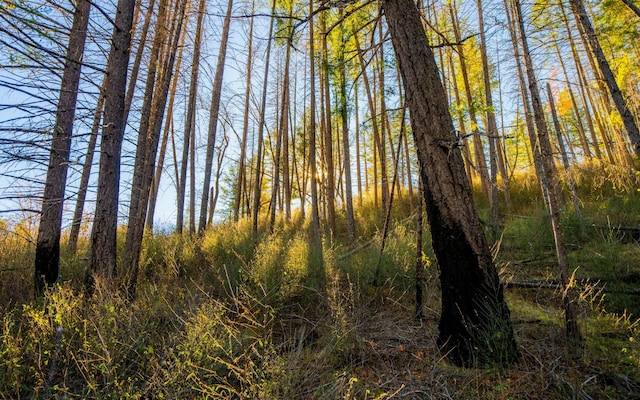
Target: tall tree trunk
[(137, 61), (47, 257), (102, 260), (153, 196), (327, 134), (242, 176), (621, 105), (346, 153), (189, 125), (315, 214), (492, 126), (526, 102), (258, 181), (213, 118), (139, 203), (474, 326), (357, 128), (550, 182)]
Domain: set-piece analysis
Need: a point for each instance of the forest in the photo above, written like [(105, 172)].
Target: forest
[(331, 199)]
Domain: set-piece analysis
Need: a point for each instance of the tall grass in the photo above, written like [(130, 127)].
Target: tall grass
[(227, 315)]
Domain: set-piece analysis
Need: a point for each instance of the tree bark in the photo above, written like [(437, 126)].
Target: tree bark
[(139, 203), (102, 260), (213, 118), (474, 326), (189, 125), (47, 257), (330, 179)]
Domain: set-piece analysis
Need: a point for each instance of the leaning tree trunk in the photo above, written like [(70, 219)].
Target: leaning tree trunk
[(551, 186), (632, 6), (474, 325), (621, 105), (47, 260)]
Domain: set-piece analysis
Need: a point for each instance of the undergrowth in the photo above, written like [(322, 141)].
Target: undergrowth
[(228, 316)]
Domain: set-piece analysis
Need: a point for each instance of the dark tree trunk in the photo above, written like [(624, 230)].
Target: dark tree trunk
[(47, 259), (475, 328)]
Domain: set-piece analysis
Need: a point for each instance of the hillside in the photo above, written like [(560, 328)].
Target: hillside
[(219, 317)]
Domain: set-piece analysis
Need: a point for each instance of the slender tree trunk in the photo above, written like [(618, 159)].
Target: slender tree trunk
[(474, 326), (531, 130), (419, 272), (242, 176), (621, 105), (315, 214), (102, 260), (213, 118), (86, 174), (153, 197), (137, 62), (357, 127), (258, 181), (189, 125), (492, 126), (632, 6), (47, 258), (346, 153), (549, 179), (563, 152), (328, 136)]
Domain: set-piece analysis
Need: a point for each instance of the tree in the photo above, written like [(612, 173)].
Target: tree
[(189, 125), (315, 214), (213, 117), (242, 176), (47, 258), (474, 324), (102, 260), (550, 186), (632, 6), (621, 105), (258, 181), (147, 146)]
